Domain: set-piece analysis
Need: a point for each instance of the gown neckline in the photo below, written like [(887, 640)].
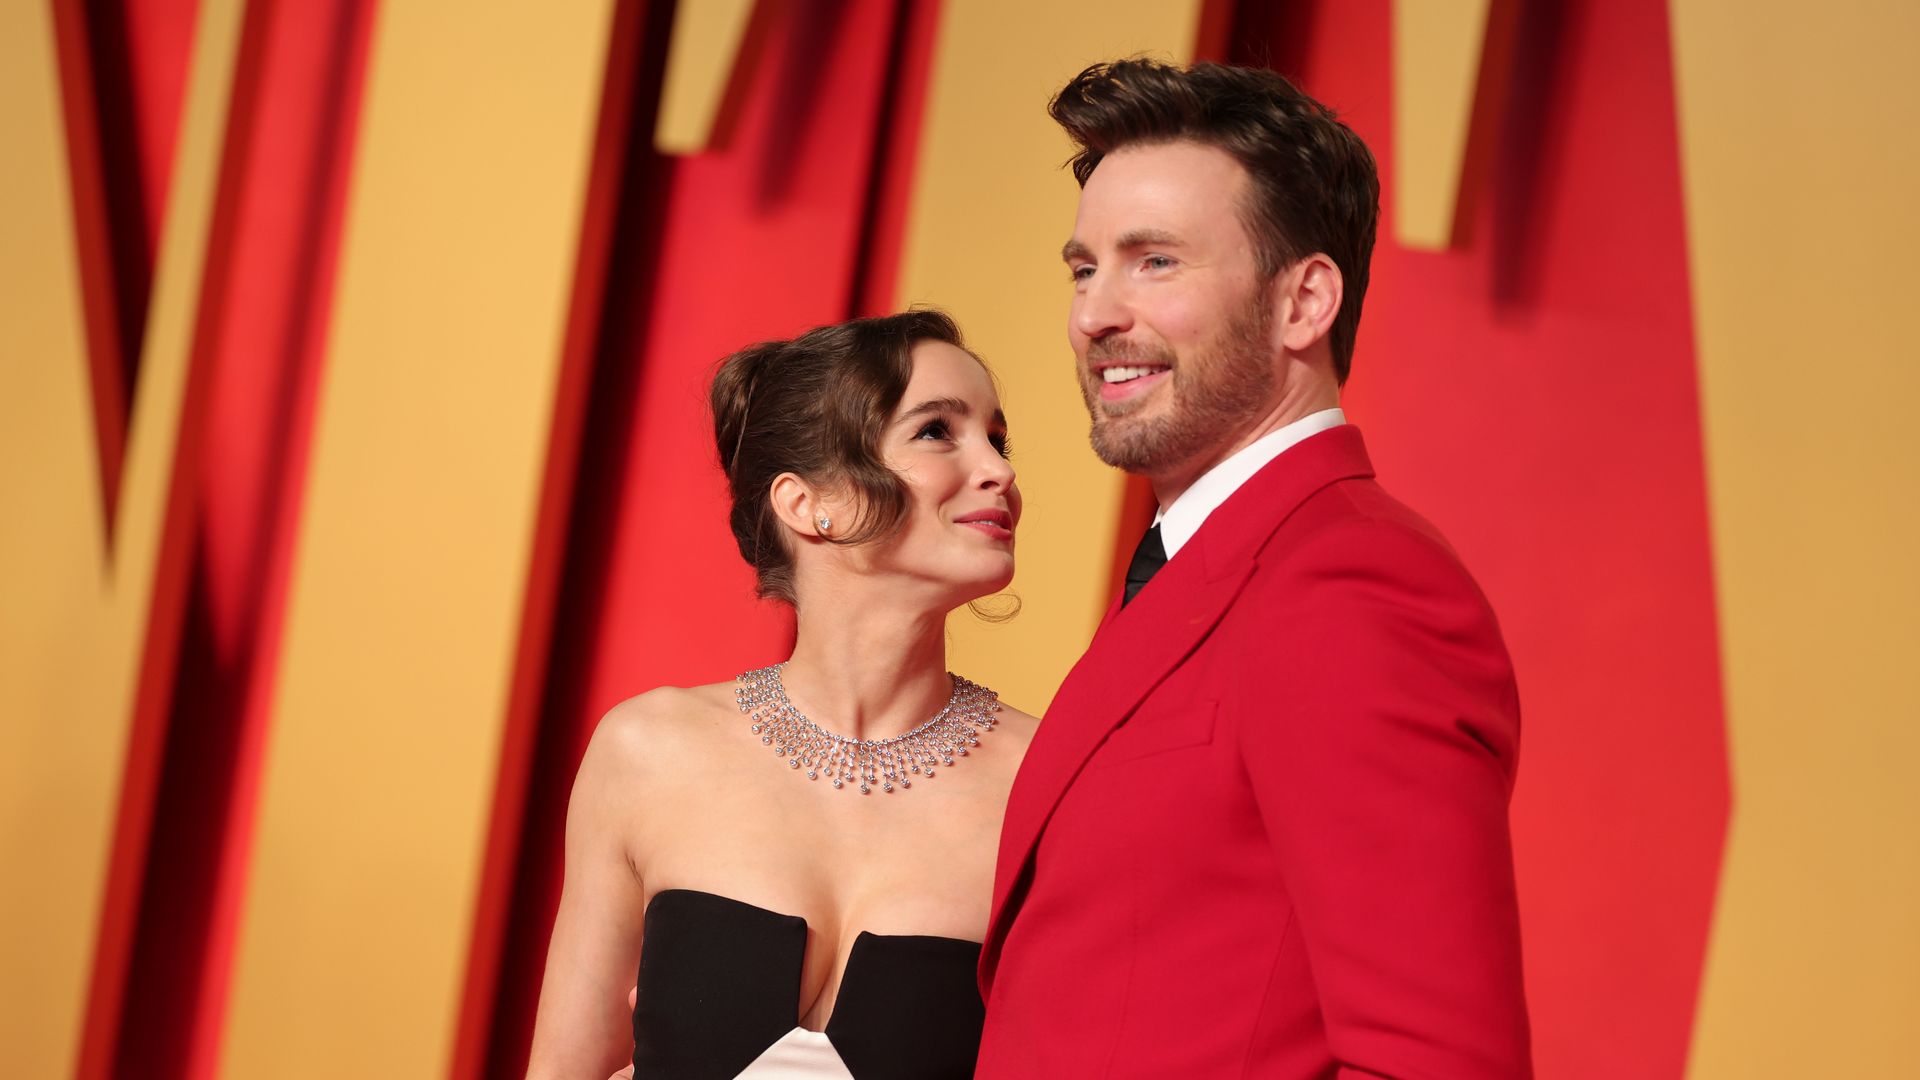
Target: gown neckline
[(802, 920)]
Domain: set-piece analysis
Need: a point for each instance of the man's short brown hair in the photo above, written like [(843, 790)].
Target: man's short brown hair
[(1314, 186)]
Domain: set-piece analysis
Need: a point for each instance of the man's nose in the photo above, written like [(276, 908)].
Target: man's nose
[(1100, 308)]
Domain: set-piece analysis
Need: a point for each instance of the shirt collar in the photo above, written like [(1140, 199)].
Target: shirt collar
[(1180, 521)]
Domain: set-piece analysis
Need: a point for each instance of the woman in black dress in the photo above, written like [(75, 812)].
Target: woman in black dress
[(797, 864)]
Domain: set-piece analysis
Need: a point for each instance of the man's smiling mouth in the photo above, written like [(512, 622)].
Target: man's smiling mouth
[(1114, 375)]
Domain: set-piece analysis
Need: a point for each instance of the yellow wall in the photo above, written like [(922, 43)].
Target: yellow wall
[(1437, 51), (1800, 151), (991, 206), (1801, 158), (429, 444), (77, 590)]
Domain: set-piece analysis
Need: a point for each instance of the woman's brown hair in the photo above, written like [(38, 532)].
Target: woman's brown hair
[(816, 406)]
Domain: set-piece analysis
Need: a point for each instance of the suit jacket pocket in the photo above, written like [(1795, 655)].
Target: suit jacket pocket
[(1146, 734)]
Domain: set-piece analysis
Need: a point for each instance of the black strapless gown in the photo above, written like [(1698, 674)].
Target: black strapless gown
[(719, 988)]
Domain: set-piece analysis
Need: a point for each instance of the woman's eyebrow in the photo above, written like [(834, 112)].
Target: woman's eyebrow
[(937, 406)]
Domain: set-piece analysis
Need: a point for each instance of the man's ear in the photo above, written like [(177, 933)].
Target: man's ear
[(801, 508), (1308, 300)]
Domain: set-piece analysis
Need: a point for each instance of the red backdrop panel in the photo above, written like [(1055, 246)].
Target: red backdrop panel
[(265, 307), (1534, 394), (787, 227)]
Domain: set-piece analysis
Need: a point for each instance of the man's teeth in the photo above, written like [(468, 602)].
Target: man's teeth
[(1126, 374)]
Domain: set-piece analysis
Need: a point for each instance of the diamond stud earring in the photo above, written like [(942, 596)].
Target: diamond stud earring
[(825, 523)]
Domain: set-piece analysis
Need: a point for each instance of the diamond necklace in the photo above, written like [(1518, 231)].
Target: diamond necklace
[(870, 763)]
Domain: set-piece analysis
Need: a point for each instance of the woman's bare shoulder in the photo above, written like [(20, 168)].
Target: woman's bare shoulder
[(1016, 722), (668, 708), (662, 724), (1013, 730)]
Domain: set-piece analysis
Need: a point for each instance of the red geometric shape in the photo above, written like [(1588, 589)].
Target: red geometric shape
[(1533, 392)]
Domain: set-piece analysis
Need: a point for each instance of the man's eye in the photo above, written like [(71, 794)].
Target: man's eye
[(1081, 273), (1157, 262)]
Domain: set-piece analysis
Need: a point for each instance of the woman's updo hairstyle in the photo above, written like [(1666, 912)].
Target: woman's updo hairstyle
[(816, 407)]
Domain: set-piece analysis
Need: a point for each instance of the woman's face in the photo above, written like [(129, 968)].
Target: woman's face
[(948, 441)]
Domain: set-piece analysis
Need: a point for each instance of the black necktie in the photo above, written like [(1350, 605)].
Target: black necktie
[(1148, 558)]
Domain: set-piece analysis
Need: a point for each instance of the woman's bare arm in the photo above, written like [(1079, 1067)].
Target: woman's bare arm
[(581, 1030)]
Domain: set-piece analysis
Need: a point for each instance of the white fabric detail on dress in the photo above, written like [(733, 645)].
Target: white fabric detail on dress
[(799, 1055)]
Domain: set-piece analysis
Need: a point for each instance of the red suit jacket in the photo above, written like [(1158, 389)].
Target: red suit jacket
[(1262, 831)]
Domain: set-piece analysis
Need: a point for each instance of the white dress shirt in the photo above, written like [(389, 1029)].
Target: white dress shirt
[(1180, 521)]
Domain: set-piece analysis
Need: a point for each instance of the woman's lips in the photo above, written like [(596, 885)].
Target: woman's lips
[(997, 524)]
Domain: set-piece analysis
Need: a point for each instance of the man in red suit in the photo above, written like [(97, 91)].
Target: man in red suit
[(1263, 828)]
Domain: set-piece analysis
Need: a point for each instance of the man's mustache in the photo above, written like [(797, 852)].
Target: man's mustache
[(1111, 349)]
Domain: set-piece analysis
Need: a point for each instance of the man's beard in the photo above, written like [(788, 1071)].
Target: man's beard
[(1213, 394)]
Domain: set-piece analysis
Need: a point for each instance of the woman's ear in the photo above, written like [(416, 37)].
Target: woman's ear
[(801, 508)]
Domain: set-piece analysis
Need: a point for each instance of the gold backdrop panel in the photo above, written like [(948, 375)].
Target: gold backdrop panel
[(990, 207), (404, 610), (1800, 154), (1438, 49), (78, 591)]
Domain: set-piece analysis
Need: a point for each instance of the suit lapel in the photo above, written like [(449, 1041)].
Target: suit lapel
[(1135, 649)]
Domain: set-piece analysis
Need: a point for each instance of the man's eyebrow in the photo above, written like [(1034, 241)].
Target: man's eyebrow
[(934, 406), (1129, 241), (1139, 238)]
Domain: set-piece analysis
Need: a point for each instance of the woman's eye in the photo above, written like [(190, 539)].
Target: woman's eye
[(934, 429), (1001, 443)]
